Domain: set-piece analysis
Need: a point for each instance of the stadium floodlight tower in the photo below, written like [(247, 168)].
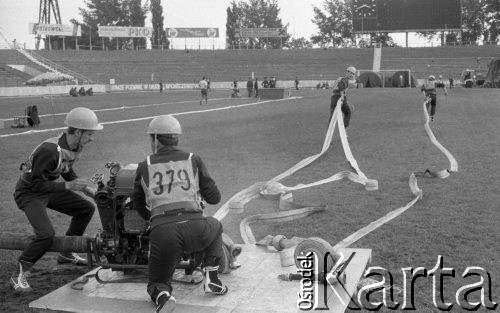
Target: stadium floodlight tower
[(44, 15)]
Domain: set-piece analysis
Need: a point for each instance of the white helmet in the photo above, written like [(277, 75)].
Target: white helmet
[(82, 118), (352, 70), (432, 77), (165, 124)]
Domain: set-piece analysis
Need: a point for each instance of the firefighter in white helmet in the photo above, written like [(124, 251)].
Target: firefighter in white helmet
[(168, 190), (429, 90), (38, 189), (340, 87)]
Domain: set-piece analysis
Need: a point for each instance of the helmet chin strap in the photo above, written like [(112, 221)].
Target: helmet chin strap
[(79, 144), (155, 150)]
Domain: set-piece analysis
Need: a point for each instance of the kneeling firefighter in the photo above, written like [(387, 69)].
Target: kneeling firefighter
[(168, 190)]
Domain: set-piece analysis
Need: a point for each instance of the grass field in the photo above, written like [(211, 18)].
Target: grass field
[(457, 217)]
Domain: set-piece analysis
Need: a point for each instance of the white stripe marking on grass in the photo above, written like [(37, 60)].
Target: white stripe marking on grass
[(150, 117), (126, 107)]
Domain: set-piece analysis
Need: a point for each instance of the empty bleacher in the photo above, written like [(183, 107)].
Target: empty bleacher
[(11, 56), (446, 61), (7, 79), (178, 66)]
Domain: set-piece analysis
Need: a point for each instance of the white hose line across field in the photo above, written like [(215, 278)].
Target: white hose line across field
[(413, 187), (453, 163), (246, 231), (273, 187)]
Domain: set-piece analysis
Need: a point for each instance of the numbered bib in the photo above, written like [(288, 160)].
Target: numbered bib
[(172, 182)]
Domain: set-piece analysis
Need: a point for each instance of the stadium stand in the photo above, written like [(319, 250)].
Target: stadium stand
[(446, 61), (178, 66), (7, 79), (12, 56)]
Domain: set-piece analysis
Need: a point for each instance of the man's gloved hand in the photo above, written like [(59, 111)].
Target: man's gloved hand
[(78, 184), (89, 191)]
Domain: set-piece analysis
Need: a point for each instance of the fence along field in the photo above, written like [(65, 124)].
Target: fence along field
[(456, 217)]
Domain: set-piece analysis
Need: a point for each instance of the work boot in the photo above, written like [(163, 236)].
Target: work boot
[(165, 303), (73, 258), (212, 283), (18, 280)]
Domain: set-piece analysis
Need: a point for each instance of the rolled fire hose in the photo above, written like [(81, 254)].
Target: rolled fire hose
[(321, 248)]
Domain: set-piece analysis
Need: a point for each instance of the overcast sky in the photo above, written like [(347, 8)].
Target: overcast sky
[(15, 16)]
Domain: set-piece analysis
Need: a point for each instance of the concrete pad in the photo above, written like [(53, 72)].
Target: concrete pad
[(254, 287)]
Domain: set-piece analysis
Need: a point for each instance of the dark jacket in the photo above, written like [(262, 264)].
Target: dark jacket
[(166, 182)]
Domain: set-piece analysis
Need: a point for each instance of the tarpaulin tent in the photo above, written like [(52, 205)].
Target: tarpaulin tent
[(402, 79), (370, 79), (492, 79)]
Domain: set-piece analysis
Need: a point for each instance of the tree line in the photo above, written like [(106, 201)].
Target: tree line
[(480, 21)]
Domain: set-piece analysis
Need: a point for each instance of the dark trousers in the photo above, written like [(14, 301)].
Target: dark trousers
[(432, 104), (346, 110), (171, 240), (35, 207)]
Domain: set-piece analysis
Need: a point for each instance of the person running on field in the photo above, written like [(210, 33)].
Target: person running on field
[(204, 90), (339, 91), (429, 90), (38, 189)]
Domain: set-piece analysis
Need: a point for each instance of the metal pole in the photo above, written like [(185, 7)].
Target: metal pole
[(362, 26), (90, 36)]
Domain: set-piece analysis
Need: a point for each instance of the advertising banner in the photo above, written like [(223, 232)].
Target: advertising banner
[(55, 29), (260, 32), (192, 32), (125, 31)]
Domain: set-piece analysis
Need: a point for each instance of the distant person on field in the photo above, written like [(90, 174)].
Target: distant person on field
[(296, 83), (39, 189), (256, 87), (272, 82), (249, 87), (161, 86), (340, 87), (451, 82), (73, 92), (429, 90), (236, 91), (265, 83), (204, 90)]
